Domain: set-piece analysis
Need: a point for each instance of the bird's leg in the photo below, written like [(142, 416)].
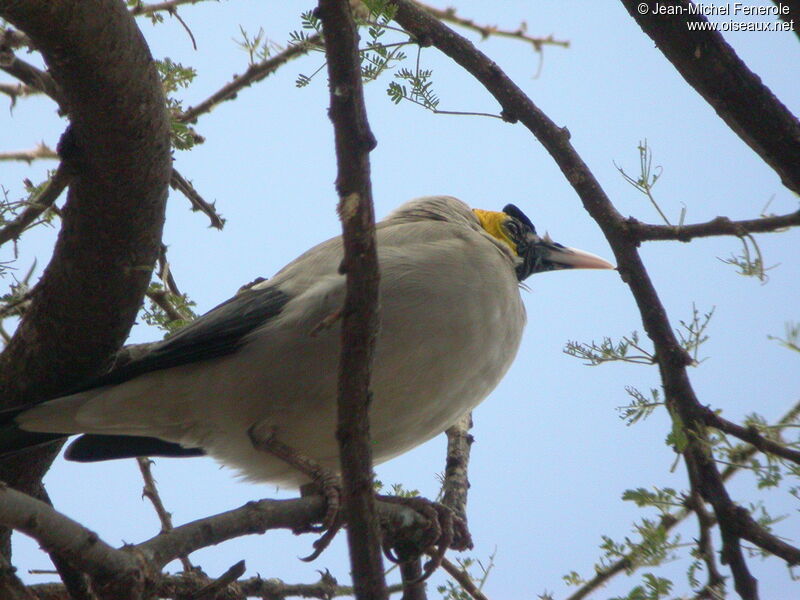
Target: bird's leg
[(324, 481), (446, 530)]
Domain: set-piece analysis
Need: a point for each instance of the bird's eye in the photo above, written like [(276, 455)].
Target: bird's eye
[(514, 230)]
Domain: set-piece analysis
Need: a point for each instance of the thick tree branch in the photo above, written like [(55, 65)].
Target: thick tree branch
[(712, 68), (117, 149), (59, 534), (184, 585), (354, 141), (261, 516), (642, 232)]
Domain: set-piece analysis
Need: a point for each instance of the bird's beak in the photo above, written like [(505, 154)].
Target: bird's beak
[(572, 258)]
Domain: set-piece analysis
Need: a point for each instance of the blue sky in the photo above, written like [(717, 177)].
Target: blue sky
[(552, 456)]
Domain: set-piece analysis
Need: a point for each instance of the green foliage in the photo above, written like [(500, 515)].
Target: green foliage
[(183, 136), (663, 499), (376, 57), (677, 437), (751, 261), (692, 334), (653, 547), (647, 178), (257, 46), (174, 77), (791, 339), (641, 406), (417, 88), (608, 351), (170, 313), (395, 489), (653, 589), (769, 470)]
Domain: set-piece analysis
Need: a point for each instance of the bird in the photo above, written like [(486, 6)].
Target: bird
[(451, 322)]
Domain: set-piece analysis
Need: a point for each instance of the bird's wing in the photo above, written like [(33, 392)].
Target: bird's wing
[(217, 333)]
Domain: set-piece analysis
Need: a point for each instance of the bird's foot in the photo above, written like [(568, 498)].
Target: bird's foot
[(323, 481), (445, 530)]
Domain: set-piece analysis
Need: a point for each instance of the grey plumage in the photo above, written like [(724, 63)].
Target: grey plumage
[(451, 323)]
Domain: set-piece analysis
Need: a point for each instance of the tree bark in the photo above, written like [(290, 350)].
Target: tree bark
[(118, 151)]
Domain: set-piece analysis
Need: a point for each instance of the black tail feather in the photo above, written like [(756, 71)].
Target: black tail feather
[(95, 448), (13, 439)]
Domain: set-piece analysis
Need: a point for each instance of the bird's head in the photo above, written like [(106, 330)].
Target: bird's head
[(534, 253)]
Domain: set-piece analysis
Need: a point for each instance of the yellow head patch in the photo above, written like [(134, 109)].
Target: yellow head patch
[(492, 222)]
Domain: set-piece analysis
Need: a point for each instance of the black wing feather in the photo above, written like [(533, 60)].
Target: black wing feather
[(217, 333)]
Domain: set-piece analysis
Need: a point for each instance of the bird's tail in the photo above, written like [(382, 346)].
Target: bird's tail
[(13, 439)]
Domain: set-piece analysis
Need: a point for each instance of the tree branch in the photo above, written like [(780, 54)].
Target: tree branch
[(253, 74), (17, 90), (520, 33), (750, 435), (42, 150), (354, 141), (59, 534), (117, 147), (30, 75), (177, 182), (642, 232), (455, 486), (49, 194), (712, 68)]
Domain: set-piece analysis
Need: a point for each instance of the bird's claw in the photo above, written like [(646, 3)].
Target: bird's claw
[(445, 530)]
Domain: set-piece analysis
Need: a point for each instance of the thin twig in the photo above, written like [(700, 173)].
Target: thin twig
[(49, 194), (149, 9), (42, 150), (177, 182), (223, 581), (463, 580), (150, 491), (520, 33), (253, 74), (17, 90), (32, 76), (718, 226)]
